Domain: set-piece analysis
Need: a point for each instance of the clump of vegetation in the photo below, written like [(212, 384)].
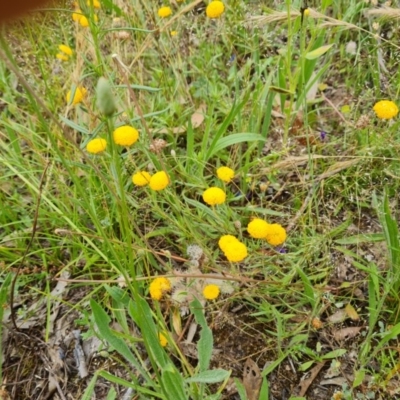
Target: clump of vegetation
[(200, 201)]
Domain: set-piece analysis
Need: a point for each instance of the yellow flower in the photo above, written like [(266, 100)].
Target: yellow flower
[(385, 109), (96, 3), (174, 33), (125, 135), (215, 9), (80, 93), (85, 22), (235, 252), (214, 195), (141, 178), (226, 174), (159, 181), (158, 287), (258, 228), (226, 240), (62, 57), (76, 16), (306, 12), (276, 234), (65, 49), (211, 292), (96, 146), (164, 12), (163, 340)]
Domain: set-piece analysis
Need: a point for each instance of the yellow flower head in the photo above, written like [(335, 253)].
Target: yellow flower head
[(226, 240), (76, 16), (306, 12), (215, 9), (85, 22), (159, 181), (214, 195), (141, 178), (211, 292), (62, 57), (96, 146), (385, 109), (80, 93), (226, 174), (96, 3), (173, 33), (164, 12), (258, 228), (276, 234), (163, 340), (65, 49), (235, 252), (158, 287), (125, 135)]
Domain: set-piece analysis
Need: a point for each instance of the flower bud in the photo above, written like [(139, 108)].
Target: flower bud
[(105, 97)]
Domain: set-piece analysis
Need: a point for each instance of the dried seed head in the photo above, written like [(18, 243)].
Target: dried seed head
[(122, 35), (363, 122), (157, 145), (194, 252)]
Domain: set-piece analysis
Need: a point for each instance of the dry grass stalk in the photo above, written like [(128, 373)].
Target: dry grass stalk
[(385, 12), (281, 16)]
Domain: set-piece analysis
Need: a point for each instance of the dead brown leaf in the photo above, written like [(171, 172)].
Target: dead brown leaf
[(199, 115), (305, 384), (351, 312), (252, 379), (337, 317), (347, 333)]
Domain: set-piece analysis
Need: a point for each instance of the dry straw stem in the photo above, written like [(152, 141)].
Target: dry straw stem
[(282, 16)]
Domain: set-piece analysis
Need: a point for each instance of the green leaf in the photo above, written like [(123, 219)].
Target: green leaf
[(312, 55), (206, 343), (305, 366), (102, 321), (139, 388), (210, 376), (241, 389), (173, 383), (230, 140), (119, 295), (334, 354), (308, 288), (363, 238), (74, 125), (141, 314), (264, 391), (112, 394), (88, 393), (359, 377)]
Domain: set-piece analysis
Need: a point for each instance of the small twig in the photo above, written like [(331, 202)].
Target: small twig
[(337, 111), (34, 227), (173, 275)]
